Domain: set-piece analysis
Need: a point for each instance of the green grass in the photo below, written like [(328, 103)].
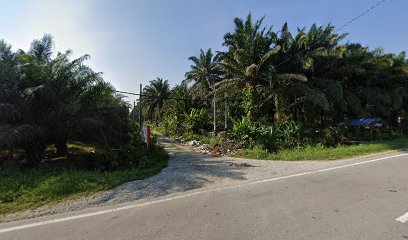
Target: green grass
[(321, 153), (21, 190)]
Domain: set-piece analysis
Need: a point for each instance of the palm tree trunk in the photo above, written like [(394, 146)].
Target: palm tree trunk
[(62, 148), (34, 155)]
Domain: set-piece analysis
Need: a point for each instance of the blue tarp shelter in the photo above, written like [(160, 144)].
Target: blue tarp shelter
[(372, 122)]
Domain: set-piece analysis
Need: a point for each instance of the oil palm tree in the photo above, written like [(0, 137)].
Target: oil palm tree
[(48, 100), (154, 96), (18, 128), (205, 73), (246, 63), (181, 101)]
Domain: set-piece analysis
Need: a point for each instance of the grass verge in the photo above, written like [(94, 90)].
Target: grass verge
[(319, 152), (21, 190)]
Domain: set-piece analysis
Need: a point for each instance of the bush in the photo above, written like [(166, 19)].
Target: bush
[(251, 134), (269, 138), (244, 132), (286, 135), (294, 135), (197, 120), (333, 136), (104, 160), (172, 124), (127, 157)]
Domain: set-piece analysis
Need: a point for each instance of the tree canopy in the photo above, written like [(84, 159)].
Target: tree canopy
[(47, 98)]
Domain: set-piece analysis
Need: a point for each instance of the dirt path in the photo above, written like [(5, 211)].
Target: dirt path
[(186, 171)]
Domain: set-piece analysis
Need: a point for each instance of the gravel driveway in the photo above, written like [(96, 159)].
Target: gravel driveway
[(186, 171)]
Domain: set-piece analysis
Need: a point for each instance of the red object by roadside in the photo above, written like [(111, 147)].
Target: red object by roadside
[(146, 135)]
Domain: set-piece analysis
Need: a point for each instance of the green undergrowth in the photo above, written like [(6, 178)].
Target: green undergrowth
[(320, 152), (22, 190)]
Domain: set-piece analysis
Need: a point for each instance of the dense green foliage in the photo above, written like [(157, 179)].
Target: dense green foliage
[(271, 138), (154, 96), (20, 190), (288, 90), (47, 98)]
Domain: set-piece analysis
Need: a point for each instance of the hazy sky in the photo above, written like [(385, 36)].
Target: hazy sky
[(133, 42)]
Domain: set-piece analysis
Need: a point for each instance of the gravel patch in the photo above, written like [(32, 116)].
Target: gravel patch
[(186, 171)]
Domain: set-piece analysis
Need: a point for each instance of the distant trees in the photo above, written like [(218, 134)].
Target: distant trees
[(47, 98), (203, 75), (154, 96), (309, 77)]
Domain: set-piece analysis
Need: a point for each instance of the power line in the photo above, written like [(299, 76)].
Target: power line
[(361, 14), (154, 97), (173, 98), (338, 29)]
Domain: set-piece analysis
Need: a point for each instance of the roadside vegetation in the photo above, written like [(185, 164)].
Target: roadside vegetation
[(30, 189), (272, 94), (282, 94), (64, 132), (320, 152)]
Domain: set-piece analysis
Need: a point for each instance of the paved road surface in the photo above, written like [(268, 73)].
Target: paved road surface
[(360, 201)]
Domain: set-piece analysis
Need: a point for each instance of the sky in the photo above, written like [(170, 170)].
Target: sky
[(135, 41)]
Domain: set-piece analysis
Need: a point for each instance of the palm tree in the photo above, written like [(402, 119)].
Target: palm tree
[(18, 128), (48, 100), (154, 96), (253, 63), (205, 73), (247, 62), (56, 99), (181, 101), (250, 50)]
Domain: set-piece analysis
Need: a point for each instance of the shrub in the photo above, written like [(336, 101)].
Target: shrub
[(251, 134), (172, 124), (332, 136), (243, 131), (268, 137), (293, 134), (197, 120), (127, 157), (105, 160)]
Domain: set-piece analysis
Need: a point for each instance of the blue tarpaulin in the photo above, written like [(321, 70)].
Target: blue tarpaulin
[(375, 122)]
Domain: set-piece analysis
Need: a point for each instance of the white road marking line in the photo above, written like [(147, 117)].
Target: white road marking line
[(64, 219), (403, 218)]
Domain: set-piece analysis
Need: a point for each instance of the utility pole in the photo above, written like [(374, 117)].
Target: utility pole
[(140, 109), (225, 112), (214, 120), (134, 111)]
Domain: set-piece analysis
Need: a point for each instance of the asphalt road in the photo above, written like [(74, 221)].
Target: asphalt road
[(366, 200)]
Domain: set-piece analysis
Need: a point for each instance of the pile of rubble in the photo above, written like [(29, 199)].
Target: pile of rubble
[(225, 147), (197, 146)]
